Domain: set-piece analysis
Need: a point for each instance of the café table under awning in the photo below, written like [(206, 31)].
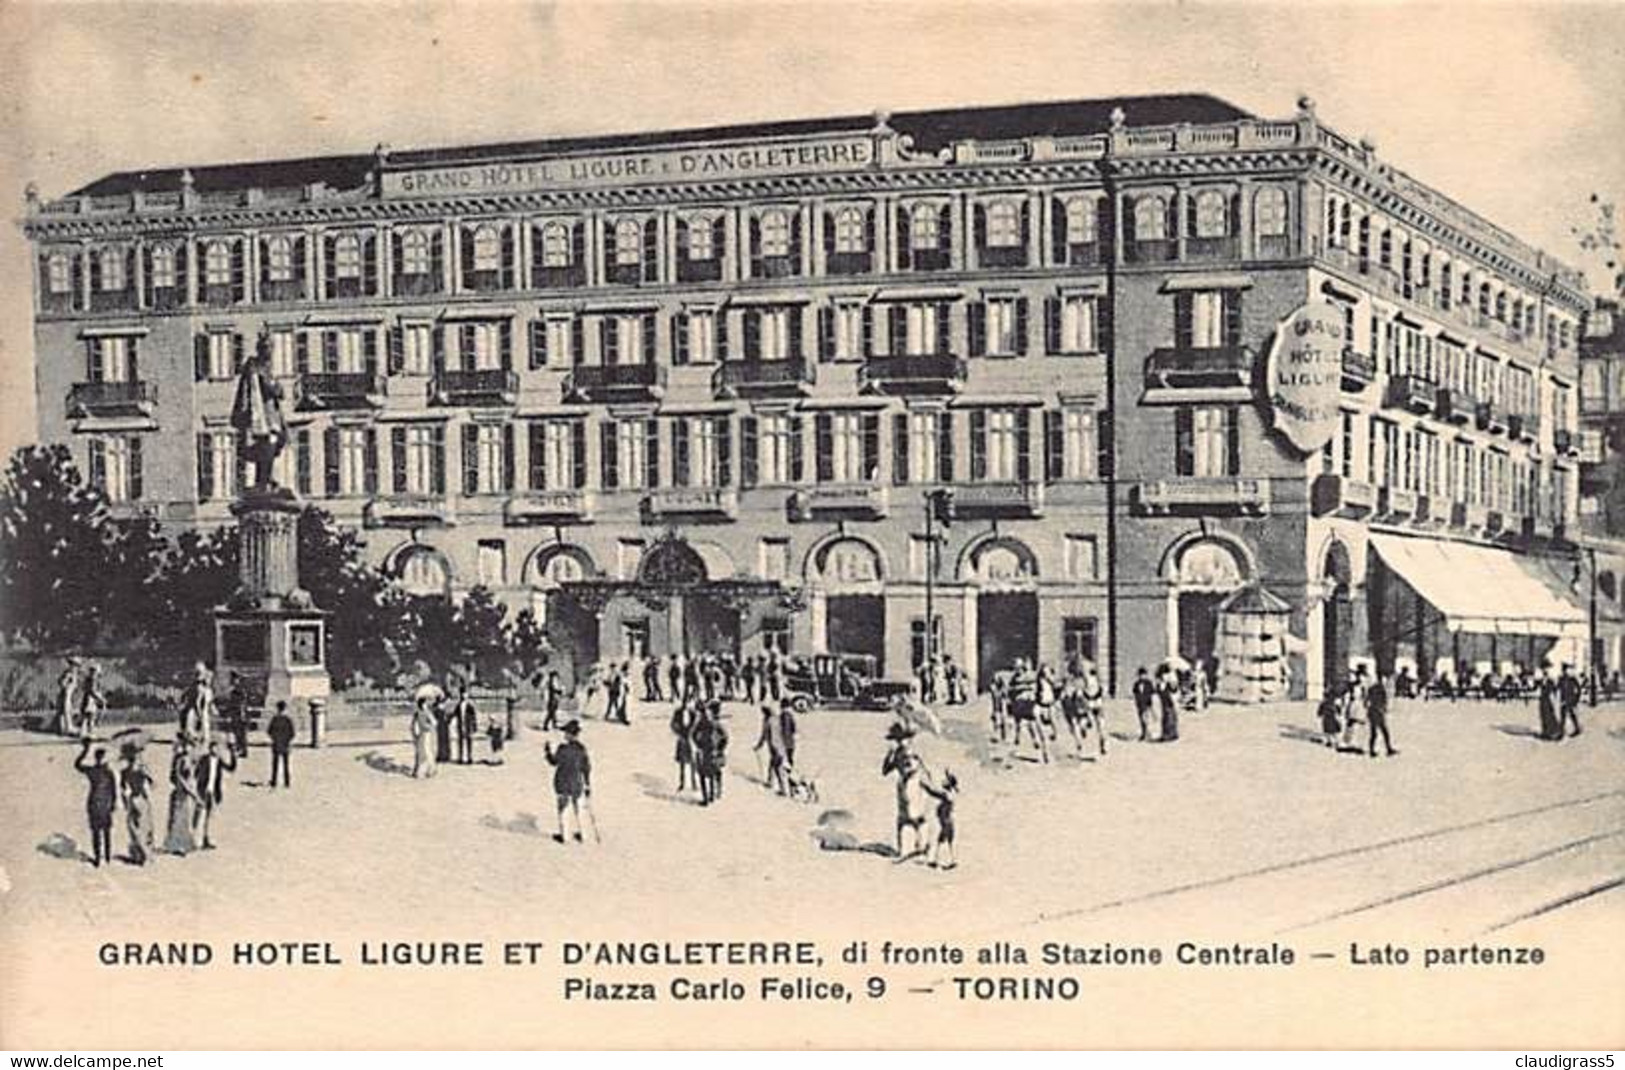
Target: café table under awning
[(1480, 588)]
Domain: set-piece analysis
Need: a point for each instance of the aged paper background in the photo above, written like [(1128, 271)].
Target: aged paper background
[(1516, 110)]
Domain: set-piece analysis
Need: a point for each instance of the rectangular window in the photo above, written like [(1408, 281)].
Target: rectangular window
[(925, 434), (417, 348), (628, 455), (1206, 442), (1080, 639), (420, 467), (493, 563), (628, 556), (557, 454), (163, 273), (778, 449), (770, 332), (59, 273), (700, 329), (849, 333), (700, 448), (1077, 328), (1082, 557), (916, 638), (773, 559), (1079, 445), (486, 452), (283, 352), (1003, 445), (1208, 319), (481, 345), (920, 333), (115, 467), (223, 348), (354, 444), (111, 265), (112, 359), (847, 445), (345, 351), (1003, 325)]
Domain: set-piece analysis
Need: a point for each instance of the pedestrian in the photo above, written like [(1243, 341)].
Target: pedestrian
[(212, 768), (67, 701), (1094, 705), (1048, 697), (710, 753), (135, 784), (91, 702), (747, 677), (1072, 712), (902, 762), (774, 671), (496, 733), (674, 677), (1168, 696), (1568, 691), (281, 731), (1376, 712), (197, 707), (682, 728), (183, 800), (1144, 692), (1024, 708), (552, 697), (1354, 705), (572, 776), (772, 737), (788, 729), (467, 718), (998, 697), (1328, 711), (730, 678), (425, 724), (101, 798), (510, 704), (443, 715), (945, 794), (1551, 727)]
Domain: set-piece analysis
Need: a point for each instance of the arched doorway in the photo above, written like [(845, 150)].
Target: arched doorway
[(1205, 572), (1337, 615), (422, 571), (1004, 573), (849, 572), (707, 622), (571, 627)]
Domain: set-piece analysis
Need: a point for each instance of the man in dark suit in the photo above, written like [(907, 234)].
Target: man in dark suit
[(552, 696), (467, 719), (100, 801), (211, 783), (1376, 715), (281, 732), (1144, 694), (1568, 693)]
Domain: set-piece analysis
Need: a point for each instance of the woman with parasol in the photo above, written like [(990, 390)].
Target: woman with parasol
[(424, 729), (135, 785), (910, 771)]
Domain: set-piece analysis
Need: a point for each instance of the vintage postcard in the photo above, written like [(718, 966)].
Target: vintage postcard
[(783, 525)]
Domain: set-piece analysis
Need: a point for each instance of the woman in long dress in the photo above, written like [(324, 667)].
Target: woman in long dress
[(424, 738), (911, 800), (136, 784), (183, 801)]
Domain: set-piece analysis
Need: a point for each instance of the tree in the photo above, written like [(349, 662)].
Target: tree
[(528, 647), (366, 621)]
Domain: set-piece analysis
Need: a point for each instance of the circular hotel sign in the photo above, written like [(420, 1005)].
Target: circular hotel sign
[(1305, 374)]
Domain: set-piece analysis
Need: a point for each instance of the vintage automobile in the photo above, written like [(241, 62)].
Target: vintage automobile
[(842, 681)]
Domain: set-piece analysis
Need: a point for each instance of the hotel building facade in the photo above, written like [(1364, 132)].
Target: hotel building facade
[(695, 390)]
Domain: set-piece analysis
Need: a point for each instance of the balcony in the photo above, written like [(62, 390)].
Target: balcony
[(939, 373), (549, 507), (1202, 494), (130, 397), (1491, 418), (1431, 512), (842, 501), (1468, 517), (1178, 368), (1411, 393), (1335, 495), (1013, 500), (1225, 248), (1359, 369), (481, 386), (330, 391), (1565, 441), (1159, 251), (1522, 427), (408, 511), (717, 503), (763, 378), (615, 382), (1456, 406), (1495, 522), (1396, 503)]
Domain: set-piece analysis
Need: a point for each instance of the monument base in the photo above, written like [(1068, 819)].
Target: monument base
[(277, 654)]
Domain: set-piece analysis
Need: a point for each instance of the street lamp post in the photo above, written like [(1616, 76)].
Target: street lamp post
[(937, 504)]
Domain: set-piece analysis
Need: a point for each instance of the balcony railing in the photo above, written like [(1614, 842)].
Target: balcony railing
[(855, 501), (1336, 495), (131, 397), (615, 382), (1565, 441), (1491, 417), (715, 502), (479, 386), (763, 378), (1014, 500), (1495, 522), (1412, 393), (938, 373), (1522, 427), (1431, 512), (1178, 367), (1225, 248), (1203, 494), (340, 390), (1457, 406), (1468, 517), (1359, 369), (1150, 252), (550, 507), (1396, 503)]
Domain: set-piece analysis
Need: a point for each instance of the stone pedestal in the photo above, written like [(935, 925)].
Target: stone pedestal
[(271, 635)]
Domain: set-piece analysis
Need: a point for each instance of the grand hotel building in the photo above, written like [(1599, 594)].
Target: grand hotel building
[(694, 389)]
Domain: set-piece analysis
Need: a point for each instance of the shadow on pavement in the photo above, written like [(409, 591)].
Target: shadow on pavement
[(656, 788), (64, 847), (522, 823), (382, 763), (1523, 730)]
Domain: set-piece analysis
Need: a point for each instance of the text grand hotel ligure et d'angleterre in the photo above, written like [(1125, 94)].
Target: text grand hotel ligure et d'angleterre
[(735, 366)]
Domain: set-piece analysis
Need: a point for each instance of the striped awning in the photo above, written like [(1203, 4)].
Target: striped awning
[(1482, 589)]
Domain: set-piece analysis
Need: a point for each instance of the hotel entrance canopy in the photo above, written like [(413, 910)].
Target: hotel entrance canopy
[(1481, 589)]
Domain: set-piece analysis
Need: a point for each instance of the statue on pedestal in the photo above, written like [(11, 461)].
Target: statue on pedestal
[(256, 416)]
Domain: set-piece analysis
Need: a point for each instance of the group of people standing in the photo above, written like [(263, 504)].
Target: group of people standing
[(1026, 698), (1560, 704), (437, 721), (80, 701), (915, 786), (702, 747), (941, 680), (712, 677), (1361, 698)]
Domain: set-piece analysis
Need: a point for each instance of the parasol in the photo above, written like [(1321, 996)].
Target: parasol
[(1176, 663), (918, 714), (429, 692), (131, 740)]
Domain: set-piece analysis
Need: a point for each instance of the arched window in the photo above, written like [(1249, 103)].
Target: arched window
[(415, 253), (423, 572), (924, 226), (1501, 306), (217, 264), (628, 242), (1150, 219), (487, 248), (1082, 223), (1484, 299), (702, 243), (1270, 211), (1212, 214), (851, 231), (347, 256), (279, 258), (775, 232), (1332, 233), (1003, 225), (556, 245), (1385, 248), (163, 267), (111, 263), (59, 273)]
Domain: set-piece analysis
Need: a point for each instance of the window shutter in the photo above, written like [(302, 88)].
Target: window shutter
[(945, 447), (795, 448), (465, 346), (397, 459), (609, 340), (1184, 320), (1052, 325), (397, 349), (437, 336), (134, 355), (1232, 317), (509, 257), (682, 239), (578, 453), (753, 334), (979, 226), (236, 353), (978, 445), (826, 334), (723, 351), (369, 350), (535, 435), (829, 234), (78, 270), (1104, 338), (578, 340), (679, 453), (899, 448), (578, 244), (897, 330), (679, 338), (135, 468), (397, 257), (205, 466), (98, 464), (1021, 327), (466, 244), (823, 448), (978, 328), (369, 459), (796, 350), (755, 241), (870, 423), (868, 331), (651, 251), (905, 245), (1054, 445), (945, 229), (1024, 458), (93, 364), (795, 240), (723, 428), (301, 352), (1232, 441), (507, 458), (369, 265), (651, 453), (330, 461), (329, 268), (607, 457), (330, 351), (505, 344), (301, 460), (1184, 443), (471, 460), (1058, 246), (651, 325), (437, 460), (200, 358), (748, 473), (437, 259)]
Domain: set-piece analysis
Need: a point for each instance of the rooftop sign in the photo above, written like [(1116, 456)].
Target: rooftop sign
[(664, 165)]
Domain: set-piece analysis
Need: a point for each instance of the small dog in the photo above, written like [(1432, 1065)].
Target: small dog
[(803, 785)]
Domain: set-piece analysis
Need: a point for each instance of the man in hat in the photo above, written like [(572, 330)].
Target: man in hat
[(467, 719), (572, 776), (910, 772), (212, 768), (1145, 692), (1376, 715), (281, 732), (92, 702), (100, 800), (552, 696), (772, 737), (1568, 692)]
